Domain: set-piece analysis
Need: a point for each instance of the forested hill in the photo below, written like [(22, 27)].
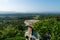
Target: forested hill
[(12, 25)]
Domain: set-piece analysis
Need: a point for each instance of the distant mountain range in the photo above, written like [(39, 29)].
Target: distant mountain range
[(26, 14)]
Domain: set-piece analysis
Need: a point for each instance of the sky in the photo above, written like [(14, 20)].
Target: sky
[(30, 5)]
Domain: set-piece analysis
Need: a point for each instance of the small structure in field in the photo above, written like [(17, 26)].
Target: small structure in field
[(30, 22)]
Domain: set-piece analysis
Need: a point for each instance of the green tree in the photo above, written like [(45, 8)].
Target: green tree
[(51, 26)]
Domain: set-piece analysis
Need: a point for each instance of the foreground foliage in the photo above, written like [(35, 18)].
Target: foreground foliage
[(48, 26), (12, 28)]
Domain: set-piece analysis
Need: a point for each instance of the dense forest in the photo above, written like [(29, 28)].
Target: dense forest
[(13, 27)]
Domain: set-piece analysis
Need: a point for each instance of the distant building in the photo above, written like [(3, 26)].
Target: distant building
[(30, 22)]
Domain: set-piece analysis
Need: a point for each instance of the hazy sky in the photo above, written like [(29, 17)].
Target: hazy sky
[(30, 5)]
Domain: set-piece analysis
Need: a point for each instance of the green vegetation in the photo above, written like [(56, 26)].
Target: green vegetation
[(13, 28), (48, 26)]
